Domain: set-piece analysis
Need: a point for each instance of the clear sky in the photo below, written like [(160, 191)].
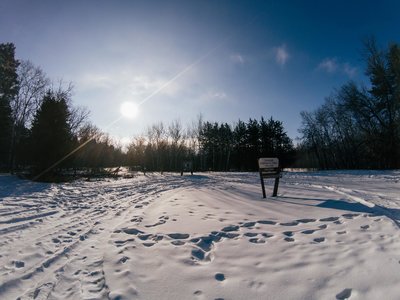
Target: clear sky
[(228, 60)]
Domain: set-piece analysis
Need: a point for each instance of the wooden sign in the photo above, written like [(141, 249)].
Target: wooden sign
[(187, 166), (268, 162), (269, 168)]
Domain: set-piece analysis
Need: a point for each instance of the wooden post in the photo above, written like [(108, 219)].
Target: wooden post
[(262, 185), (275, 187)]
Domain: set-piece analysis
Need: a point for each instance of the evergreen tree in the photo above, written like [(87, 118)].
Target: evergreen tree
[(8, 91), (51, 138)]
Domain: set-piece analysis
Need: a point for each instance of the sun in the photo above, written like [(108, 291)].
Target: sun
[(129, 109)]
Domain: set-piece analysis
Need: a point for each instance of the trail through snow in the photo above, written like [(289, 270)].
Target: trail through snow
[(209, 236)]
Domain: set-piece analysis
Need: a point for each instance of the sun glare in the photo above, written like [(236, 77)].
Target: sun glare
[(129, 109)]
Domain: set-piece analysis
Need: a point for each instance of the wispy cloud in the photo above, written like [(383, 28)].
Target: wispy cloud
[(350, 70), (281, 55), (127, 83), (328, 65), (213, 96), (218, 95), (237, 58), (331, 66)]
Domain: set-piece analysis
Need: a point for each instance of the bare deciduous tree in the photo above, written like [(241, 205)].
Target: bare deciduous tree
[(33, 84)]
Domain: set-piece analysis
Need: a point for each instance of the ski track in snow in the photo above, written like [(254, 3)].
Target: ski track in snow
[(95, 240), (75, 214)]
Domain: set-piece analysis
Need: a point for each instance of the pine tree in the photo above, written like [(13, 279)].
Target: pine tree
[(51, 138), (8, 90)]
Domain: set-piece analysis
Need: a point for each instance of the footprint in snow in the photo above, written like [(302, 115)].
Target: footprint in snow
[(228, 235), (257, 241), (294, 223), (365, 227), (323, 226), (121, 243), (306, 220), (345, 294), (230, 228), (133, 231), (220, 276), (149, 244), (199, 254), (144, 237), (289, 239), (250, 234), (319, 240), (288, 233), (330, 219), (178, 243), (248, 224), (267, 235), (19, 264), (207, 242), (350, 216), (341, 232), (308, 231), (123, 259), (267, 222), (178, 236)]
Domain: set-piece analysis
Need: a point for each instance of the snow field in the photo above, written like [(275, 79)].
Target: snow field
[(210, 236)]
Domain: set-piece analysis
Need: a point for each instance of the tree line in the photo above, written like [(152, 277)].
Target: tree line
[(211, 145), (43, 132), (358, 126)]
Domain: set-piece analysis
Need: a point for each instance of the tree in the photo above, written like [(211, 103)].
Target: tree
[(32, 88), (239, 145), (359, 126), (33, 85), (8, 91), (51, 138)]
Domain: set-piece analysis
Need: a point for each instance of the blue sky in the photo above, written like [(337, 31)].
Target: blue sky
[(234, 59)]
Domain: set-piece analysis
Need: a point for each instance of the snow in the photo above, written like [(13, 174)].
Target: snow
[(328, 235)]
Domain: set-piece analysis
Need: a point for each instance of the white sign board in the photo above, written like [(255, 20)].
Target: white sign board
[(268, 162)]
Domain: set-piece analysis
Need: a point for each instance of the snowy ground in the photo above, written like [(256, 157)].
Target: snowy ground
[(328, 235)]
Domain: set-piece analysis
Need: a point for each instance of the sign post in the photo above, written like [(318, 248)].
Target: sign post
[(269, 168), (187, 166)]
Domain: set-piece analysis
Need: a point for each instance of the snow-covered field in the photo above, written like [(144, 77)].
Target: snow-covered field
[(328, 235)]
